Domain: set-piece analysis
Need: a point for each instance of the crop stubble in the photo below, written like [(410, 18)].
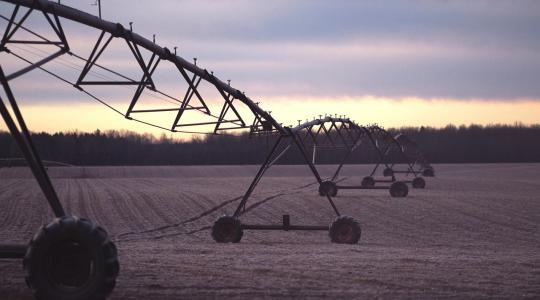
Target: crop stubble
[(474, 232)]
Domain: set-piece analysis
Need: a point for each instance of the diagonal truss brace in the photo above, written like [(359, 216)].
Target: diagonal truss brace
[(193, 84), (260, 125), (98, 50), (272, 157), (21, 134), (147, 77), (228, 104), (13, 26)]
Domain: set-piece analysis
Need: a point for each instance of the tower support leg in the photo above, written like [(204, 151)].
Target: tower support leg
[(23, 139)]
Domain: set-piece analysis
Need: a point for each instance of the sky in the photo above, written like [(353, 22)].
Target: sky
[(395, 63)]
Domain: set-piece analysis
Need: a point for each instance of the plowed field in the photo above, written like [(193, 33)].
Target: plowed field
[(474, 232)]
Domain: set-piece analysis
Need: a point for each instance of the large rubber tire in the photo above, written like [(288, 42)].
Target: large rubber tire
[(388, 172), (227, 229), (368, 182), (418, 183), (399, 189), (71, 259), (344, 230), (328, 188), (428, 172)]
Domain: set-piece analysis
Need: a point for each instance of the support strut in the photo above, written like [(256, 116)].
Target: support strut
[(24, 141), (257, 178)]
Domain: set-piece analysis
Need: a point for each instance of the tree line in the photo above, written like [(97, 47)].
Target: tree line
[(451, 144)]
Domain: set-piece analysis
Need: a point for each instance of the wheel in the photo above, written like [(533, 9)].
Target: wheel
[(418, 183), (368, 181), (428, 172), (71, 258), (334, 191), (399, 189), (328, 188), (227, 229), (344, 230), (388, 172)]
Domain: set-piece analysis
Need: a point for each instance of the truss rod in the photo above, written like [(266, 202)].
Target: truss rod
[(35, 65)]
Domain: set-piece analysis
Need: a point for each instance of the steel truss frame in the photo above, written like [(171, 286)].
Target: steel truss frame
[(263, 122), (348, 135), (389, 145), (295, 137), (336, 133), (190, 73), (417, 160)]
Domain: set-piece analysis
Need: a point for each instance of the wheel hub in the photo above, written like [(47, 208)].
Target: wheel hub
[(70, 264), (344, 233), (228, 231)]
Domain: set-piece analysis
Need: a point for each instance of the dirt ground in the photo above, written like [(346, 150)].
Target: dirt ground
[(474, 232)]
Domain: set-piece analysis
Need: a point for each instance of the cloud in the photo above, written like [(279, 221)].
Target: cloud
[(308, 49)]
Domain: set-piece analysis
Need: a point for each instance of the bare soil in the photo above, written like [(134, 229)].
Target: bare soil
[(474, 232)]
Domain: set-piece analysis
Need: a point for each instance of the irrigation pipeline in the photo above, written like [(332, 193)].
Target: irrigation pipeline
[(341, 132), (52, 11)]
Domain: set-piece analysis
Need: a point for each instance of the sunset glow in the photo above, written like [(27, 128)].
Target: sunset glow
[(90, 116)]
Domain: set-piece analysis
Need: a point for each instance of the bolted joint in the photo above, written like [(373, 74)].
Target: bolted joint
[(168, 55), (120, 30)]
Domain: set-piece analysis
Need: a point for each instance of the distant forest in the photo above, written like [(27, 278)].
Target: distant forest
[(451, 144)]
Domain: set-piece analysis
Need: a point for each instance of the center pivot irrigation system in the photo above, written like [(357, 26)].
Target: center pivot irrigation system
[(74, 258), (393, 149), (414, 154)]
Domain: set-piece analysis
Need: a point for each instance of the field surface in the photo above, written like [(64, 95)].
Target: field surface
[(474, 232)]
